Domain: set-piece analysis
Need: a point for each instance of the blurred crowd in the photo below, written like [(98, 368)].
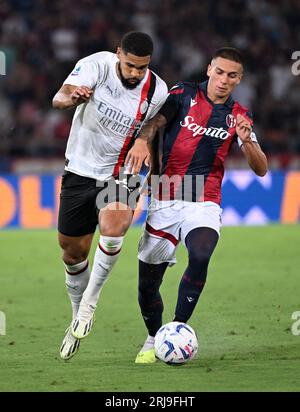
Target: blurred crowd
[(42, 40)]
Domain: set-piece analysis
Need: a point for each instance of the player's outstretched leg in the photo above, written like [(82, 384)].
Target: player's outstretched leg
[(69, 346), (151, 304)]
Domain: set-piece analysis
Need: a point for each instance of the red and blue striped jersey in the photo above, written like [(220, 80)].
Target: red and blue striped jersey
[(198, 137)]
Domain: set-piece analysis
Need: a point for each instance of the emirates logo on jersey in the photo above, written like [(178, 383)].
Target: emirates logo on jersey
[(230, 120)]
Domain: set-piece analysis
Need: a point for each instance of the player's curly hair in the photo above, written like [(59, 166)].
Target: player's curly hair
[(137, 43)]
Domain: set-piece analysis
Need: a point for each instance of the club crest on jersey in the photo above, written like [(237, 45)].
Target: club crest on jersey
[(230, 120), (144, 106)]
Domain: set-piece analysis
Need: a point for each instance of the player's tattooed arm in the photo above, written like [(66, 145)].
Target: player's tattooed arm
[(255, 156), (70, 96), (149, 131), (140, 151)]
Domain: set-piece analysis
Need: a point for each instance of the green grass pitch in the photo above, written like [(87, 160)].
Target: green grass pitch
[(243, 318)]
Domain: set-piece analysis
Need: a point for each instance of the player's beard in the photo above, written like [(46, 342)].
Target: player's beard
[(126, 82)]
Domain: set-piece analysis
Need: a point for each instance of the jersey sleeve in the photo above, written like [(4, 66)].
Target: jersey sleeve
[(85, 73), (162, 94), (172, 104)]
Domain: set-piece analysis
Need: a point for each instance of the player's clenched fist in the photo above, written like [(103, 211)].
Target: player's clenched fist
[(243, 128), (81, 94)]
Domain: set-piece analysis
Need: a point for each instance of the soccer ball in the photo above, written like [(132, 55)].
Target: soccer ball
[(175, 343)]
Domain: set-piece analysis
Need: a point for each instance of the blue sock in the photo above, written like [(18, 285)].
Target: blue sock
[(151, 304), (200, 243)]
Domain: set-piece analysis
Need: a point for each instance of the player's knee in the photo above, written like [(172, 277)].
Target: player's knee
[(150, 278), (119, 228), (199, 258)]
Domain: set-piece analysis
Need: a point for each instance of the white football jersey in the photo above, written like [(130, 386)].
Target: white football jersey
[(103, 128)]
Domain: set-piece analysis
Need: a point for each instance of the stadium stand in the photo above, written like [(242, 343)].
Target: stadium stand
[(42, 40)]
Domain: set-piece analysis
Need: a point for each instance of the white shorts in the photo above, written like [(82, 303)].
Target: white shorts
[(169, 222)]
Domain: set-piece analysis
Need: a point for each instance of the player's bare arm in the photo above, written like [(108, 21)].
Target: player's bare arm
[(140, 151), (252, 150), (70, 96)]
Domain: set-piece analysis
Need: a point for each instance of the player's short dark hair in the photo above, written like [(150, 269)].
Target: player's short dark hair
[(229, 53), (137, 43)]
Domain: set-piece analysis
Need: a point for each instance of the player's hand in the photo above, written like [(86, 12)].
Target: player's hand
[(243, 128), (81, 95), (138, 154)]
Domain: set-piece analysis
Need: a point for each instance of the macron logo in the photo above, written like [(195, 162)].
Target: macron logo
[(193, 102)]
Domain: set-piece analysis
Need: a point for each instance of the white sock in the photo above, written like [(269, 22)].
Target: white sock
[(77, 278), (149, 344), (106, 255)]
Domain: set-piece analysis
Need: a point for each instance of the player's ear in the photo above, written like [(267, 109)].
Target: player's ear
[(118, 52), (239, 78), (208, 72), (241, 73)]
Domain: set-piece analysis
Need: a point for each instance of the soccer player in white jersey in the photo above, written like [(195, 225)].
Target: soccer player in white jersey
[(114, 94)]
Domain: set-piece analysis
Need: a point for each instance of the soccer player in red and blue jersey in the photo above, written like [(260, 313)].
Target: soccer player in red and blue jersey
[(202, 122)]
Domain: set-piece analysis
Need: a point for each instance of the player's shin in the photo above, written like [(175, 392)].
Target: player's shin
[(150, 301), (77, 277), (188, 296), (200, 243), (106, 256)]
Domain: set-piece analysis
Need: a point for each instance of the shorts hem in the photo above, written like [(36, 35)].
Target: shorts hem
[(169, 261), (76, 234)]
